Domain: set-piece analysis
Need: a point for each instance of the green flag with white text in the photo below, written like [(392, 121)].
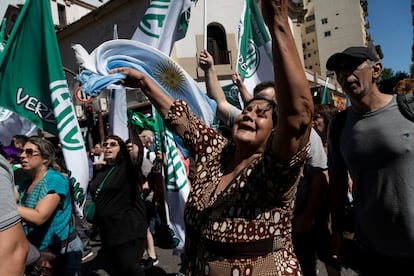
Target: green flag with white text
[(164, 23), (255, 62), (33, 85)]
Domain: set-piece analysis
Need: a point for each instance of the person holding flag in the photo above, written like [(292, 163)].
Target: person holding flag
[(120, 211), (226, 111), (42, 96), (260, 165)]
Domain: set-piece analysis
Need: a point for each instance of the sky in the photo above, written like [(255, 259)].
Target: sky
[(391, 27)]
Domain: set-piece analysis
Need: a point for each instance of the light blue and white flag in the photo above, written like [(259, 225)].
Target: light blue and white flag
[(118, 118), (170, 77), (164, 23)]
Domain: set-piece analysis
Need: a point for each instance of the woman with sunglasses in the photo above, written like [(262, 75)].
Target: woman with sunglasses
[(119, 208), (45, 205)]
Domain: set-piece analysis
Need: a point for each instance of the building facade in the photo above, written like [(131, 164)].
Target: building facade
[(331, 26)]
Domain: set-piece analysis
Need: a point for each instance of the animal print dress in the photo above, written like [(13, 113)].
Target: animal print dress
[(246, 228)]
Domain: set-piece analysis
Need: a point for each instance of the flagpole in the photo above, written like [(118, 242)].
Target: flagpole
[(325, 92), (205, 25), (241, 34)]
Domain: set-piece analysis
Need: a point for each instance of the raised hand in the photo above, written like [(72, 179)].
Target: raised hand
[(205, 60), (273, 10)]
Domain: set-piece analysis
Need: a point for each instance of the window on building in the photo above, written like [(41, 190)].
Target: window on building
[(328, 33), (217, 44), (62, 14), (310, 18), (310, 29), (324, 21)]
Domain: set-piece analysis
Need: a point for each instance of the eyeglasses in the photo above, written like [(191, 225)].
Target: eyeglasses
[(29, 152), (111, 144)]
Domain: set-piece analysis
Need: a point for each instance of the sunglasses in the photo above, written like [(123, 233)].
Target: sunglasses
[(111, 144), (29, 152)]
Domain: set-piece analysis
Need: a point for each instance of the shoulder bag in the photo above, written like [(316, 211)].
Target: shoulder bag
[(90, 208)]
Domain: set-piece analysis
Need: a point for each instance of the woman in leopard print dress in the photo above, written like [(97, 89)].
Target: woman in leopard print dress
[(238, 214)]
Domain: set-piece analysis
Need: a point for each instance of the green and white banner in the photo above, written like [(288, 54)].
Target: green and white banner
[(165, 22), (33, 85), (254, 62)]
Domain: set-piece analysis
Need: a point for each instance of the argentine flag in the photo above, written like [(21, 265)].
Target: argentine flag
[(169, 76)]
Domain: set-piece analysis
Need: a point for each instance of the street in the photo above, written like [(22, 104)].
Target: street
[(98, 265), (168, 265)]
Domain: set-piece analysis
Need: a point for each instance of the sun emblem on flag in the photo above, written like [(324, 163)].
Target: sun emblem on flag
[(171, 77)]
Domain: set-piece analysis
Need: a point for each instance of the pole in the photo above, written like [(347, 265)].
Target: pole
[(101, 127), (205, 26)]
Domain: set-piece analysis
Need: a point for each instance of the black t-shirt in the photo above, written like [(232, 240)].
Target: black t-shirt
[(119, 210)]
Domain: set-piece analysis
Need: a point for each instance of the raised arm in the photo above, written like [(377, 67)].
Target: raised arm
[(135, 148), (213, 86), (292, 89), (136, 79), (244, 92)]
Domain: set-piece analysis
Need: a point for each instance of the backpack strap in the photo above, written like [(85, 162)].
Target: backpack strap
[(406, 105)]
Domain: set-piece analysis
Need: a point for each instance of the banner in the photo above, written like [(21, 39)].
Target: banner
[(254, 63), (33, 85), (326, 96), (118, 119), (11, 123), (164, 23), (170, 77)]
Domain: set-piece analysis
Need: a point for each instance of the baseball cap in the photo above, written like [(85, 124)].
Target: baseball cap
[(356, 52)]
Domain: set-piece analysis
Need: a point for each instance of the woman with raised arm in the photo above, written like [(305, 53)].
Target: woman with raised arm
[(238, 214), (45, 205), (120, 210)]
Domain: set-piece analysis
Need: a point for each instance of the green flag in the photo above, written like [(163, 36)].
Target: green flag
[(326, 99), (33, 85), (2, 33), (255, 63)]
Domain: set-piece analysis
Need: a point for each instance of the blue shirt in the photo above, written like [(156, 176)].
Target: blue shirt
[(58, 227)]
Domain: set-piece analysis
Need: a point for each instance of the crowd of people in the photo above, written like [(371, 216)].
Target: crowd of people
[(272, 193)]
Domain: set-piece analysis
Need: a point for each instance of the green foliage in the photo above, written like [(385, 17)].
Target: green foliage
[(389, 79), (387, 73)]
